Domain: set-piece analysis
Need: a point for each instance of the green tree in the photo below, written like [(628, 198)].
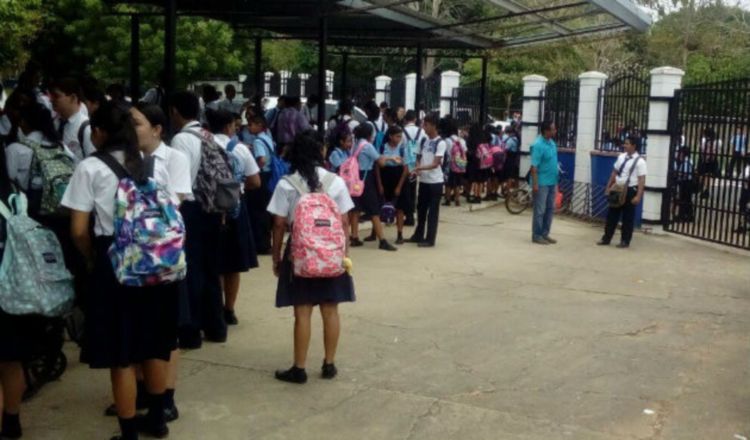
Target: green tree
[(21, 20)]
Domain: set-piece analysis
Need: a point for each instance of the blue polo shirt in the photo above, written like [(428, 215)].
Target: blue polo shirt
[(338, 157), (367, 157), (389, 151), (263, 147), (544, 159)]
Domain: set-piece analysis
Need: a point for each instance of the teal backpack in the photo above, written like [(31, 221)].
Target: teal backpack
[(33, 277)]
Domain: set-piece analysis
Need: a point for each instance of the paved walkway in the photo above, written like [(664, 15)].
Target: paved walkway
[(484, 337)]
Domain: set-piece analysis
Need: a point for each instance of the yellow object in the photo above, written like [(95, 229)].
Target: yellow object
[(348, 265)]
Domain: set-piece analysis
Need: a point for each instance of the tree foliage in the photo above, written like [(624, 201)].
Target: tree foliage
[(21, 20)]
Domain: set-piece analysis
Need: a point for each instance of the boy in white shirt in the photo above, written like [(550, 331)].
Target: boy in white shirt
[(72, 124)]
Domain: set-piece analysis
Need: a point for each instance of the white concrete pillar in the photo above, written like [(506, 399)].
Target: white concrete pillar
[(532, 87), (267, 84), (285, 75), (664, 82), (381, 83), (303, 77), (329, 83), (588, 117), (411, 90), (449, 80)]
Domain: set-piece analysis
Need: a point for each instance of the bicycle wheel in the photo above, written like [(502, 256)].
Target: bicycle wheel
[(517, 201)]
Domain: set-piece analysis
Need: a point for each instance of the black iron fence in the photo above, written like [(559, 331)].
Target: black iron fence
[(623, 111), (709, 172), (559, 103), (397, 92), (465, 104)]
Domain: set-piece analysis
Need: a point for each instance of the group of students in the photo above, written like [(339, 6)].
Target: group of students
[(395, 152), (85, 151)]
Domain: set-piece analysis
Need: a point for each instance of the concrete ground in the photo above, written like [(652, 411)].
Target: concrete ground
[(484, 337)]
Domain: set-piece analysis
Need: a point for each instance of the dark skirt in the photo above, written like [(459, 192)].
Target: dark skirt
[(390, 176), (18, 336), (292, 290), (369, 202), (236, 243), (512, 166), (260, 220), (455, 179), (127, 325)]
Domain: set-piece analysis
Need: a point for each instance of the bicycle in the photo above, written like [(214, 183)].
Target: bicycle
[(521, 198)]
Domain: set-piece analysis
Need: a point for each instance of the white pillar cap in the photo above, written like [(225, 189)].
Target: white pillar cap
[(666, 70), (593, 75), (535, 78)]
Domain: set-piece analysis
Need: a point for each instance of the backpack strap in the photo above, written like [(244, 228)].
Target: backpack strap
[(113, 164), (232, 143), (81, 131), (327, 181), (297, 182), (5, 211)]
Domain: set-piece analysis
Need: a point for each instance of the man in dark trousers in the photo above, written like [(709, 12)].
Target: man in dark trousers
[(629, 171)]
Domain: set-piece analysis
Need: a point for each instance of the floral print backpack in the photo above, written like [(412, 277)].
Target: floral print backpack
[(149, 232)]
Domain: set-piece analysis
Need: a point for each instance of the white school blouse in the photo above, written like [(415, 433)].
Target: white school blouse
[(173, 166)]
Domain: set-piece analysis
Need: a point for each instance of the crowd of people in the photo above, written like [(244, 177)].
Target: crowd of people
[(211, 184)]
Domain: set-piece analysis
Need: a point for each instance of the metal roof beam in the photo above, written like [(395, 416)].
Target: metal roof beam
[(627, 12), (612, 28), (514, 6)]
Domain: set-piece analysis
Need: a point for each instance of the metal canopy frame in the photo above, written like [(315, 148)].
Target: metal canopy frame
[(390, 23)]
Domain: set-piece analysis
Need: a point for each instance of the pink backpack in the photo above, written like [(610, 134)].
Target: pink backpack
[(485, 157), (318, 238), (349, 171)]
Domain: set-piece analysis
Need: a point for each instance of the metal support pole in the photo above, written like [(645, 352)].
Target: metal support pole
[(135, 57), (259, 79), (170, 47), (322, 82), (483, 95), (418, 91), (344, 76)]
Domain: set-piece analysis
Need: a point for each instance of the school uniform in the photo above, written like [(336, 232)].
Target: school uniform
[(292, 290), (456, 179), (237, 246), (628, 168), (430, 191), (124, 325), (172, 170), (337, 158), (77, 141), (257, 199), (390, 176), (412, 132), (202, 309), (369, 202), (512, 158), (18, 334)]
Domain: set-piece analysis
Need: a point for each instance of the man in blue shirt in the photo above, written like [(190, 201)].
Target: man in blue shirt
[(739, 149), (544, 177)]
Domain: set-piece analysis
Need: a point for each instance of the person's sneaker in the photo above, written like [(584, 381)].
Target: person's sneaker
[(384, 245), (146, 426), (602, 243), (425, 244), (550, 240), (371, 238), (171, 414), (412, 239), (540, 241), (400, 240), (623, 245), (292, 375), (355, 242), (329, 371), (230, 317)]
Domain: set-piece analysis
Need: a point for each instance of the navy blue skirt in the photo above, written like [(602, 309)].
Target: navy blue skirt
[(292, 290), (369, 202), (236, 243), (127, 325)]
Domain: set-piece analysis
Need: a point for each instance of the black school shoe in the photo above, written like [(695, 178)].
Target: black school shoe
[(384, 245), (355, 242), (292, 375), (230, 318), (11, 426), (413, 239), (171, 414), (425, 244), (328, 371), (371, 238), (148, 427)]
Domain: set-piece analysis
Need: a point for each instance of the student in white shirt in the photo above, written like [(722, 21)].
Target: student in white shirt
[(71, 124), (630, 170), (413, 141), (204, 307), (430, 184), (125, 326), (230, 102), (305, 155), (237, 252)]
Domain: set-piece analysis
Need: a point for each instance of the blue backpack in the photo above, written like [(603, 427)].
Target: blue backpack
[(33, 277), (379, 137), (279, 167)]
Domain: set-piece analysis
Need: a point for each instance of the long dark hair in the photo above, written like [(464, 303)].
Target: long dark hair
[(39, 118), (305, 154), (154, 115), (476, 137), (6, 187), (115, 120)]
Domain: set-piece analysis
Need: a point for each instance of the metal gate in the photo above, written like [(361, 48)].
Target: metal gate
[(559, 104), (623, 111), (465, 104), (709, 165)]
